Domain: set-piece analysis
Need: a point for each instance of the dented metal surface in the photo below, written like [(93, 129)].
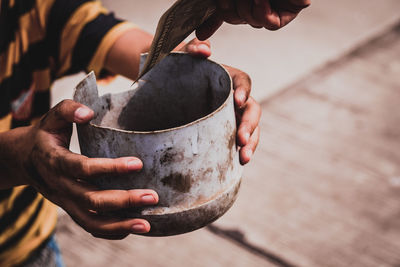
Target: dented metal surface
[(180, 122)]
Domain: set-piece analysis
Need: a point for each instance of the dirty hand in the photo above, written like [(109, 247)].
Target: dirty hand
[(248, 113), (64, 177), (269, 14)]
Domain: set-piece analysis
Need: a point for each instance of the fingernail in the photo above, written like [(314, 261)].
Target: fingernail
[(148, 199), (139, 228), (82, 113), (203, 47), (134, 164)]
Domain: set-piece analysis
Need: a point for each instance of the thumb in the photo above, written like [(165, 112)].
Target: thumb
[(198, 48), (64, 113), (208, 28)]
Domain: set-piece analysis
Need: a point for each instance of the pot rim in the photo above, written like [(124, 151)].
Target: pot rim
[(223, 105)]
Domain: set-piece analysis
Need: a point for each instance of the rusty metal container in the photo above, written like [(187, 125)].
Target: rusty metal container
[(180, 122)]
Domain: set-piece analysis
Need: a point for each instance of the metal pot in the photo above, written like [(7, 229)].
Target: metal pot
[(180, 122)]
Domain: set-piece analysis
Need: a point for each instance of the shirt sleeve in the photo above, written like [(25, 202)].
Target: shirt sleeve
[(81, 34)]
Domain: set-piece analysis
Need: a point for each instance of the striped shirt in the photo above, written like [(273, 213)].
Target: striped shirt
[(40, 41)]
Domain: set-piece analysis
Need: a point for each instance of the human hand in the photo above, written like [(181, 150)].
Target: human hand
[(196, 48), (64, 177), (269, 14), (248, 113)]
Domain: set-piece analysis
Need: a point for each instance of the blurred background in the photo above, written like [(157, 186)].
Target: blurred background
[(323, 188)]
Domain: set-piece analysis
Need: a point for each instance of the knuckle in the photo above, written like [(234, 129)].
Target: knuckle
[(115, 166), (248, 79), (57, 112), (85, 168), (43, 120), (61, 105), (244, 76), (58, 163), (94, 202), (65, 102), (131, 200)]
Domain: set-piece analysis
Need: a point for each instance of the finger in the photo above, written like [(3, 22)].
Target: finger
[(198, 48), (241, 85), (244, 10), (91, 198), (283, 12), (209, 27), (286, 17), (249, 122), (109, 200), (247, 151), (63, 114), (259, 12), (100, 225), (241, 95), (272, 19), (78, 166)]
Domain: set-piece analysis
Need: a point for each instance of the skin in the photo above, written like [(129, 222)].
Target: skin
[(38, 155), (268, 14)]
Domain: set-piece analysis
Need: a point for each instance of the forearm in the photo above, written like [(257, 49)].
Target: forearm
[(124, 56), (12, 157)]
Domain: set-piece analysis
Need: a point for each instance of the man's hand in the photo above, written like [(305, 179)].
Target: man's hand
[(269, 14), (65, 178), (248, 113)]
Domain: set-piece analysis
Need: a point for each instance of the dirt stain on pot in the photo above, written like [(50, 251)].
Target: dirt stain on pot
[(178, 181), (171, 156)]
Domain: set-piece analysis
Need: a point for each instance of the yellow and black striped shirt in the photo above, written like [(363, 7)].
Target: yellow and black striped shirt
[(40, 41)]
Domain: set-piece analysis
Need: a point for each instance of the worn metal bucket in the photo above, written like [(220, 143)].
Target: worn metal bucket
[(180, 122)]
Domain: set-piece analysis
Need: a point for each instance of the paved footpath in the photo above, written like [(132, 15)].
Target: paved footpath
[(322, 190)]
